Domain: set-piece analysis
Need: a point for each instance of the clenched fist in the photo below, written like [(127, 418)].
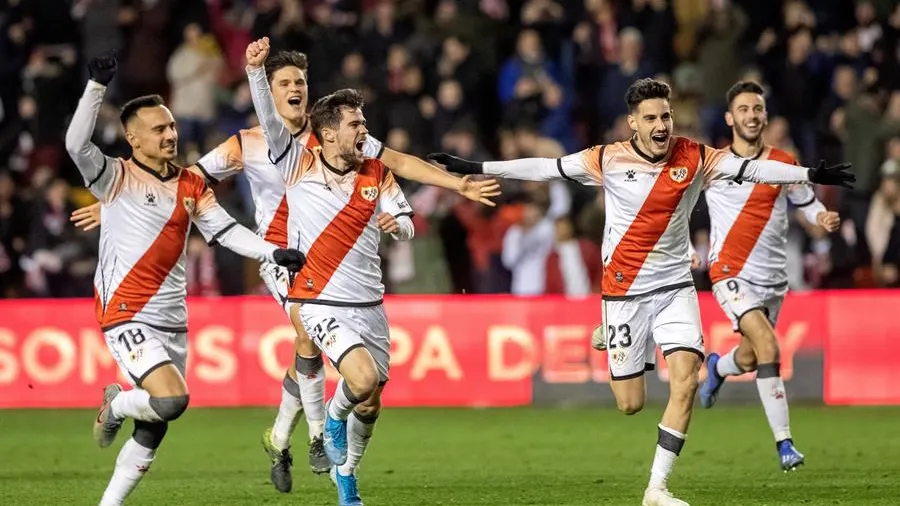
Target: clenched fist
[(257, 52), (388, 224), (828, 220), (103, 68)]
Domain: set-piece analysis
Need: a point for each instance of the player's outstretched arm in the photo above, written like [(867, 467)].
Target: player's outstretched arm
[(278, 138), (416, 169), (582, 167), (98, 170), (219, 227), (720, 166)]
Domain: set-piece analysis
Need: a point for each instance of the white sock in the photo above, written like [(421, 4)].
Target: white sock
[(668, 446), (288, 414), (774, 399), (359, 431), (311, 379), (727, 366), (343, 402), (134, 403), (133, 462)]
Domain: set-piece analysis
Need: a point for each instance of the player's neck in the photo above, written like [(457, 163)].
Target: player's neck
[(333, 162), (297, 126), (161, 167), (746, 149)]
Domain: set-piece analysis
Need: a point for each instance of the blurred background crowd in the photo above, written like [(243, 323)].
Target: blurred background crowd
[(483, 79)]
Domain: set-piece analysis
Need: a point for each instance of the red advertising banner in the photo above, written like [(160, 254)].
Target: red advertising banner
[(446, 350)]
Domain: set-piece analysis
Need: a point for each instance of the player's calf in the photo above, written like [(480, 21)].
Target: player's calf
[(134, 460), (277, 439), (359, 381), (310, 371)]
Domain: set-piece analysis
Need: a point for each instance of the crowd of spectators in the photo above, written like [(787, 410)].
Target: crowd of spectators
[(483, 79)]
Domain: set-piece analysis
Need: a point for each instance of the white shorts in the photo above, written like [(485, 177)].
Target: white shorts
[(670, 318), (140, 349), (337, 330), (276, 279), (738, 297)]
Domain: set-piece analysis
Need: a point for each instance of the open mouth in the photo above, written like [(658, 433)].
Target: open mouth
[(360, 144), (660, 138), (295, 101), (752, 126)]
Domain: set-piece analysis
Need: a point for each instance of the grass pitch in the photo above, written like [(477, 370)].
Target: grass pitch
[(501, 457)]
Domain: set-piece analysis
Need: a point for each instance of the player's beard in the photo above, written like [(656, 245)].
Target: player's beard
[(748, 137), (168, 155), (352, 158)]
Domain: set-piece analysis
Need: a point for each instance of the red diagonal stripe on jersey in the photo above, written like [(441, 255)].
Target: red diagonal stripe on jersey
[(277, 231), (748, 226), (337, 239), (745, 231), (651, 220), (148, 274)]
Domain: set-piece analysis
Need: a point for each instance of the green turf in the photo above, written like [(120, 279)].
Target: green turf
[(485, 457)]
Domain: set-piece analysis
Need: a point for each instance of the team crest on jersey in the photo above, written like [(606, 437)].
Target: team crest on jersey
[(189, 204), (369, 193), (678, 174), (618, 357)]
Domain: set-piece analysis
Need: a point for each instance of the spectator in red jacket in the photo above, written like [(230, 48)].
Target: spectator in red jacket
[(574, 267)]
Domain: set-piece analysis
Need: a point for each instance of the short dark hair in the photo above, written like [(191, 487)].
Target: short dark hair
[(646, 89), (283, 59), (326, 112), (131, 108), (743, 87)]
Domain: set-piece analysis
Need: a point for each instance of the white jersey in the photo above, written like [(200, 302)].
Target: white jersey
[(750, 223), (146, 219), (247, 151), (332, 218), (648, 204), (331, 215)]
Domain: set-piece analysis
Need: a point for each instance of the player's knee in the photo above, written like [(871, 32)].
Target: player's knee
[(767, 348), (308, 365), (746, 359), (363, 385), (149, 434), (630, 406), (169, 408)]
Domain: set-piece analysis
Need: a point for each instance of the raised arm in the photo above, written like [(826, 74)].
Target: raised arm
[(719, 166), (583, 167), (278, 138), (98, 170), (416, 169)]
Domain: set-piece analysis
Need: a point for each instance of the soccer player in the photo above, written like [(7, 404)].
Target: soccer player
[(338, 198), (651, 184), (302, 391), (748, 262), (148, 205)]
